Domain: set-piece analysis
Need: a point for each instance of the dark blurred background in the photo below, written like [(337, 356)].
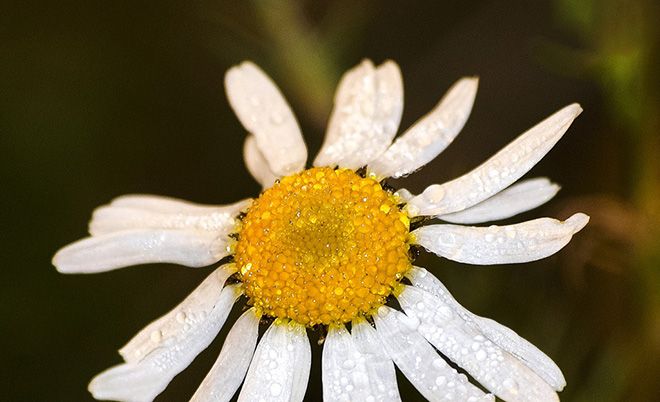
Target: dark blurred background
[(101, 98)]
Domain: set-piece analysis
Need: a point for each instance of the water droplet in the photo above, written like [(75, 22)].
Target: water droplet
[(511, 385), (275, 389), (481, 355), (348, 364), (181, 317), (276, 118), (156, 336)]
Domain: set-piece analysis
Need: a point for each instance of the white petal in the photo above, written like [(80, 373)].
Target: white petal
[(497, 333), (257, 164), (462, 341), (498, 172), (520, 197), (404, 194), (421, 143), (419, 362), (280, 367), (228, 372), (191, 248), (366, 116), (142, 380), (119, 216), (175, 325), (345, 374), (166, 205), (510, 244), (264, 112)]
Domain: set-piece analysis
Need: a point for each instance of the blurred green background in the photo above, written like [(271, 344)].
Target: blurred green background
[(100, 98)]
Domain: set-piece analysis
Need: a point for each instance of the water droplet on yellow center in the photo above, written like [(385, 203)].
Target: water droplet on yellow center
[(322, 246)]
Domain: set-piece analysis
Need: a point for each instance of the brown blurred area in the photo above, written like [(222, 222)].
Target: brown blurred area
[(98, 99)]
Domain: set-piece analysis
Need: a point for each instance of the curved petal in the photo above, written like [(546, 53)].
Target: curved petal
[(498, 172), (510, 244), (264, 112), (502, 336), (228, 372), (425, 140), (142, 380), (462, 341), (182, 321), (520, 197), (366, 116), (419, 362), (257, 164), (191, 248), (280, 367), (120, 215), (166, 205), (345, 373)]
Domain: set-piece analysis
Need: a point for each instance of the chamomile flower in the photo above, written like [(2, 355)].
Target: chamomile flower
[(325, 248)]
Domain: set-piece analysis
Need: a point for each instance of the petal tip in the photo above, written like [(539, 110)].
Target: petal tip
[(578, 221)]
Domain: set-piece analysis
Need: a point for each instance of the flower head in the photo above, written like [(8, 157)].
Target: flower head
[(328, 246)]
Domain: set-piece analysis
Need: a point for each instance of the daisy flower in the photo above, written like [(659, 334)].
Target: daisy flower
[(328, 248)]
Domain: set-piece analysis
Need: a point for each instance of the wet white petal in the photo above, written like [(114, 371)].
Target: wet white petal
[(280, 367), (497, 333), (264, 112), (166, 205), (257, 164), (498, 172), (520, 197), (229, 370), (462, 341), (193, 248), (366, 116), (425, 140), (419, 362), (176, 324), (142, 379), (521, 242), (120, 215), (404, 194), (347, 373)]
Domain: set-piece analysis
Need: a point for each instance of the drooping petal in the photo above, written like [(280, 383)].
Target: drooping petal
[(366, 116), (256, 163), (510, 244), (520, 197), (498, 172), (264, 112), (229, 370), (280, 366), (193, 248), (379, 366), (419, 362), (462, 341), (344, 371), (141, 380), (425, 140), (183, 321), (121, 215), (505, 338)]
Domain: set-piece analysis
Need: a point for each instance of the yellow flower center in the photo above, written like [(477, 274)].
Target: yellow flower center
[(322, 246)]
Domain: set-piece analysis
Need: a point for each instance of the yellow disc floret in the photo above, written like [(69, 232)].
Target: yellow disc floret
[(322, 246)]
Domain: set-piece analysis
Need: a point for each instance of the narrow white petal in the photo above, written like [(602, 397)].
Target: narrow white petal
[(143, 379), (176, 324), (404, 194), (497, 333), (345, 374), (280, 367), (366, 116), (510, 244), (425, 140), (193, 248), (498, 172), (166, 205), (520, 197), (229, 370), (420, 363), (379, 366), (264, 112), (256, 163), (117, 217), (500, 372)]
